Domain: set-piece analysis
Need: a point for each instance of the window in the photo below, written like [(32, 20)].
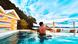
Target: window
[(1, 16), (4, 22)]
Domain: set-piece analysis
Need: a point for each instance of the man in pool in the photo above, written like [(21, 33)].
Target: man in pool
[(42, 32)]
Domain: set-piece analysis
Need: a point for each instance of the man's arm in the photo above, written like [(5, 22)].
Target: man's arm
[(48, 27)]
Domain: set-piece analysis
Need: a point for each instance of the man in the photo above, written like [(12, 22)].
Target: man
[(42, 31)]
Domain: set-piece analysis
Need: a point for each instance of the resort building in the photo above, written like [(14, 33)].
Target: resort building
[(8, 19)]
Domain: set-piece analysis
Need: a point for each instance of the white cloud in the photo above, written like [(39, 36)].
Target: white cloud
[(57, 11)]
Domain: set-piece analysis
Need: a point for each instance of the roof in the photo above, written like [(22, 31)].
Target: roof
[(2, 12), (9, 13)]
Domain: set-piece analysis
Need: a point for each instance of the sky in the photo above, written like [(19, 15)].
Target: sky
[(62, 12)]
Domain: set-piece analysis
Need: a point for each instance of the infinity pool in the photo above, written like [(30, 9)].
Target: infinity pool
[(31, 38)]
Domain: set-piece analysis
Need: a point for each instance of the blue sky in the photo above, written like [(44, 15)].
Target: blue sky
[(63, 12)]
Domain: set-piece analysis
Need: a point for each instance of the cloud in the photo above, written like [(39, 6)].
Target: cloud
[(63, 11)]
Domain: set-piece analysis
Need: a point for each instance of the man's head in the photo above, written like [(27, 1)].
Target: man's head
[(41, 23)]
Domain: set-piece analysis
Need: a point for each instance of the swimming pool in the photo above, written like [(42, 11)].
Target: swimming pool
[(9, 38), (32, 38)]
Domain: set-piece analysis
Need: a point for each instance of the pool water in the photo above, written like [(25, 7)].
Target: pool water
[(33, 38), (64, 40), (29, 38)]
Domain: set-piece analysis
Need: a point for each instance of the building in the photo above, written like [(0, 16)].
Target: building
[(8, 19)]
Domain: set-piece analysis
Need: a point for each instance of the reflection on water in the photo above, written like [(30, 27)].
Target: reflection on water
[(30, 38), (25, 38), (18, 38)]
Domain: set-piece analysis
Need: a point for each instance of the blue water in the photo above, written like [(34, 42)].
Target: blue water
[(29, 39)]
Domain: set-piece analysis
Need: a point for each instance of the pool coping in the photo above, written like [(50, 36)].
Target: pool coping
[(7, 34)]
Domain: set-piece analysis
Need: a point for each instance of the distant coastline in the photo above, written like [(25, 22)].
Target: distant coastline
[(56, 27)]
